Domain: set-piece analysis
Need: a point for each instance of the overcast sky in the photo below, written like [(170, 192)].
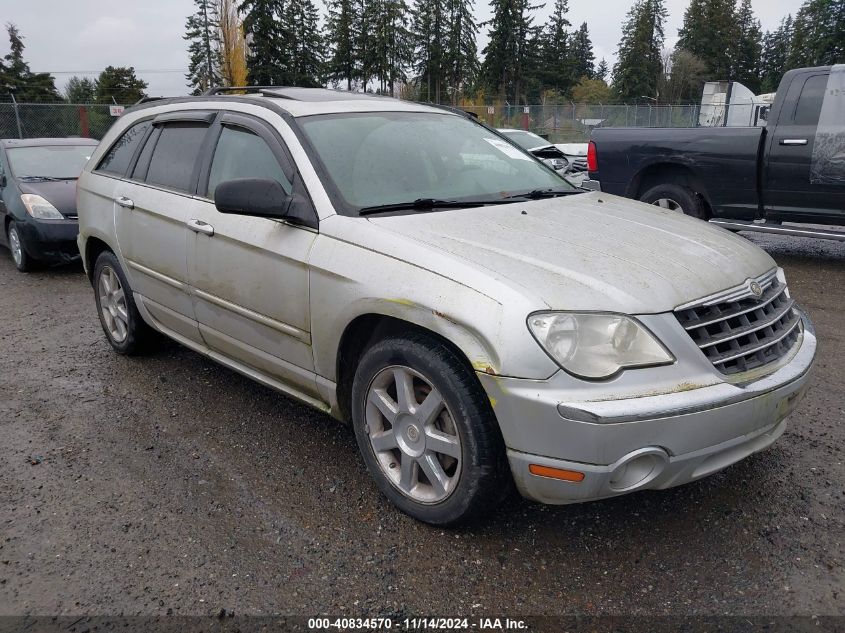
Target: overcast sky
[(81, 37)]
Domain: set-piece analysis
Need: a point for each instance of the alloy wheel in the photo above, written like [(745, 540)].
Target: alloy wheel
[(15, 246), (113, 304), (668, 203), (413, 434)]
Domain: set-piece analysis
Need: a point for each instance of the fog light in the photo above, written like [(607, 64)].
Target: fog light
[(637, 469)]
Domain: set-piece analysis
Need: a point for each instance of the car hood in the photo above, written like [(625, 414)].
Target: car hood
[(590, 251), (61, 194)]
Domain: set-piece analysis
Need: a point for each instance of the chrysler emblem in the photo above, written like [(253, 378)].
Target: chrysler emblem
[(755, 288)]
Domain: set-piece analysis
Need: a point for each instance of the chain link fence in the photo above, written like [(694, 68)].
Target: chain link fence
[(558, 123), (31, 120)]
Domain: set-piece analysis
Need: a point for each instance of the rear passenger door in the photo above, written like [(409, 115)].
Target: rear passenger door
[(249, 275), (788, 193), (152, 208)]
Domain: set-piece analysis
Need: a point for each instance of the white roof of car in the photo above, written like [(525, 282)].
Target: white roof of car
[(308, 101)]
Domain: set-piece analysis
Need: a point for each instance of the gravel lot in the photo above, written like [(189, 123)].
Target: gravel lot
[(168, 484)]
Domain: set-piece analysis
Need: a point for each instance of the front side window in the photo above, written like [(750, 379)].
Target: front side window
[(242, 154), (63, 162), (117, 160), (392, 157), (175, 155)]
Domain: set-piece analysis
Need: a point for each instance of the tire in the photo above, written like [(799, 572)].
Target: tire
[(676, 198), (122, 324), (460, 435), (23, 262)]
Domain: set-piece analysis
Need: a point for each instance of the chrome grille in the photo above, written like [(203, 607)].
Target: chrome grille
[(743, 332)]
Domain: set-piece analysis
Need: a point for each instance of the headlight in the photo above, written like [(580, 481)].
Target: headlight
[(596, 345), (39, 208)]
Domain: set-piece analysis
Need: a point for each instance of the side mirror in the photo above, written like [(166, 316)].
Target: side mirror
[(260, 197)]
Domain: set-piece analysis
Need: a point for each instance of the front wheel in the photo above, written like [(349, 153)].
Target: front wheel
[(675, 198), (23, 262), (427, 431)]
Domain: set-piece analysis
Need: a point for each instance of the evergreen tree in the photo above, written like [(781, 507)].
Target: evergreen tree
[(391, 44), (639, 65), (120, 85), (748, 50), (555, 69), (201, 30), (363, 11), (602, 70), (776, 49), (460, 55), (340, 23), (818, 34), (306, 44), (267, 63), (81, 90), (16, 76), (710, 33), (430, 41), (581, 50), (509, 50)]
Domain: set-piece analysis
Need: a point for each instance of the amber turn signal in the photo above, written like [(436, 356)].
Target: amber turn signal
[(555, 473)]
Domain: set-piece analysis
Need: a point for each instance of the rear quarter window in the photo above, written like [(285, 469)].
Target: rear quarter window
[(117, 159)]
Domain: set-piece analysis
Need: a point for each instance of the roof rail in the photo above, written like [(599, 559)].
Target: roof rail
[(454, 109), (147, 99), (223, 89)]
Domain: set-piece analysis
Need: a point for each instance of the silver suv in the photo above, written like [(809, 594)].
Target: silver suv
[(478, 321)]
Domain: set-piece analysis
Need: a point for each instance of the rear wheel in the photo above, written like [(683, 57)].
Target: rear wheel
[(23, 262), (426, 431), (674, 197), (125, 330)]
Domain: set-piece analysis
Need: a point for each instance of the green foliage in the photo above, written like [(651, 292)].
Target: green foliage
[(581, 53), (639, 66), (602, 70), (592, 91), (683, 78), (776, 49), (511, 48), (710, 32), (14, 71), (81, 90), (342, 61), (202, 31), (120, 85), (818, 34), (391, 48), (306, 44), (748, 48), (554, 72)]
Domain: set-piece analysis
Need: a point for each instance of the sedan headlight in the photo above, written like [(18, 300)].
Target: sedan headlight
[(596, 345), (39, 208)]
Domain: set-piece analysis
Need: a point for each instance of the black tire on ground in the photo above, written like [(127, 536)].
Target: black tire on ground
[(677, 198), (484, 480), (139, 336), (23, 262)]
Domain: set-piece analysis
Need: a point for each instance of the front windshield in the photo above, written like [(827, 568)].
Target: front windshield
[(528, 140), (380, 158), (49, 161)]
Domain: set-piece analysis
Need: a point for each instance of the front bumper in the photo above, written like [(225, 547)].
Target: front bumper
[(649, 442), (50, 240)]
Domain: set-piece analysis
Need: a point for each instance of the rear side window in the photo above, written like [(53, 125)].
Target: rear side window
[(242, 154), (117, 160), (175, 155), (810, 102)]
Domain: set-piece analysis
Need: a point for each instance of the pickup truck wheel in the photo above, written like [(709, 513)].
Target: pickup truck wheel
[(675, 198), (427, 432), (125, 330)]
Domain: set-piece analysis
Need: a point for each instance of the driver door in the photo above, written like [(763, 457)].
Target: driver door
[(249, 275)]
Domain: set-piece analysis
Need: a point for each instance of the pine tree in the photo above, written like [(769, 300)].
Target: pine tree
[(80, 90), (749, 48), (508, 52), (16, 76), (391, 45), (581, 50), (120, 85), (305, 54), (602, 70), (267, 62), (202, 31), (639, 65), (818, 34), (555, 69), (340, 40), (460, 55), (776, 49), (710, 33), (430, 41)]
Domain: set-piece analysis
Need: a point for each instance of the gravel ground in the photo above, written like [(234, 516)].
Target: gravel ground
[(168, 484)]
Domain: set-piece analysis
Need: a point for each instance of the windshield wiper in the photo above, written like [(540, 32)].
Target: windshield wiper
[(50, 178), (538, 194), (421, 204)]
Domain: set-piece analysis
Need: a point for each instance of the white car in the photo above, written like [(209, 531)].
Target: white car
[(478, 320)]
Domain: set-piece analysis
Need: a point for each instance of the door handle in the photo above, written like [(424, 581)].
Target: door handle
[(125, 202), (793, 141), (198, 226)]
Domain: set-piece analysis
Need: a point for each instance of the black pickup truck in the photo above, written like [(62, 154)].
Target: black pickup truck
[(744, 178)]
